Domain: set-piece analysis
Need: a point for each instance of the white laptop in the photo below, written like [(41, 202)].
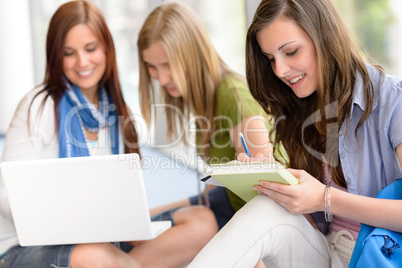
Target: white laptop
[(79, 200)]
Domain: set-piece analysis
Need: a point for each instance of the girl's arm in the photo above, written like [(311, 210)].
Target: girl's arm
[(255, 132), (23, 143), (36, 140), (382, 213), (308, 197)]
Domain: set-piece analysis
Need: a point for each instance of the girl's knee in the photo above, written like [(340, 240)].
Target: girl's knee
[(198, 218), (262, 212), (94, 255)]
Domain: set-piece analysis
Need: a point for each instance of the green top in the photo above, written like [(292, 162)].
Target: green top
[(234, 103)]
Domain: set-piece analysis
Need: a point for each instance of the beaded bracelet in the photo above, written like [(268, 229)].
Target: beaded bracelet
[(328, 214)]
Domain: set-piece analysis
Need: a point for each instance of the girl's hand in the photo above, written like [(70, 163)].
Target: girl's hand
[(306, 197), (258, 158)]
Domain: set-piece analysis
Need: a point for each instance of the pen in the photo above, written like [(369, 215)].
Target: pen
[(244, 144)]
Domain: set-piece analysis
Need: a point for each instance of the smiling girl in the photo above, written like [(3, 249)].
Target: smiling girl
[(180, 68), (338, 118), (79, 111)]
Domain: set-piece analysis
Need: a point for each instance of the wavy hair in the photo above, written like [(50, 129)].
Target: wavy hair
[(63, 20), (338, 61), (196, 67)]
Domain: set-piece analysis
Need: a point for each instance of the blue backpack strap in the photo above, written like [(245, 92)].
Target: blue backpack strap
[(392, 191)]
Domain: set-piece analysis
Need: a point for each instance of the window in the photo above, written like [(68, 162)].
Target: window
[(225, 21), (378, 28)]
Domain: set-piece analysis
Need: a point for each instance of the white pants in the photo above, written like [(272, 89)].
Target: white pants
[(264, 230)]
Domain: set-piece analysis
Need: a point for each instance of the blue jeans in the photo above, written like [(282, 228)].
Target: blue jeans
[(44, 256), (37, 257), (56, 256)]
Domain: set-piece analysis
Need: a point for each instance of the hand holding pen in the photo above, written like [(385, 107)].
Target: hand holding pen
[(257, 158), (244, 144)]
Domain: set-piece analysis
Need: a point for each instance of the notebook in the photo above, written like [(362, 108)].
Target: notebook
[(240, 177), (79, 200)]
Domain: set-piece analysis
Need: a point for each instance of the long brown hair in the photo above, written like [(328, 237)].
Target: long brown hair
[(196, 67), (66, 17), (301, 124)]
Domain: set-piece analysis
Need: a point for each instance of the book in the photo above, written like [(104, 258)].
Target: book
[(240, 177)]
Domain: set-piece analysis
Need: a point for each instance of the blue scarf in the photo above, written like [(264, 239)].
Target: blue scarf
[(76, 114)]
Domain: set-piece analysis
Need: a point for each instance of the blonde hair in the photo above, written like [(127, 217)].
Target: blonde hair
[(196, 67)]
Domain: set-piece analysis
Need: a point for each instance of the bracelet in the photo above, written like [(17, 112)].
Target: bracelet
[(328, 214)]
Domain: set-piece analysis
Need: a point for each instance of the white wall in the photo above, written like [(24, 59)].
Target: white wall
[(396, 38), (251, 7), (16, 64)]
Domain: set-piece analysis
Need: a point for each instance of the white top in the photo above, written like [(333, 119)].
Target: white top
[(40, 141)]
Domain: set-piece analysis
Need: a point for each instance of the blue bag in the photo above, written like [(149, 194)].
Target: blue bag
[(377, 247)]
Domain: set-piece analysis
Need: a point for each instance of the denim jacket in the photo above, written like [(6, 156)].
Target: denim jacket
[(370, 163)]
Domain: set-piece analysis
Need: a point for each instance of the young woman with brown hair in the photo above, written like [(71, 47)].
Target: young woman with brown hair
[(80, 111), (338, 119)]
